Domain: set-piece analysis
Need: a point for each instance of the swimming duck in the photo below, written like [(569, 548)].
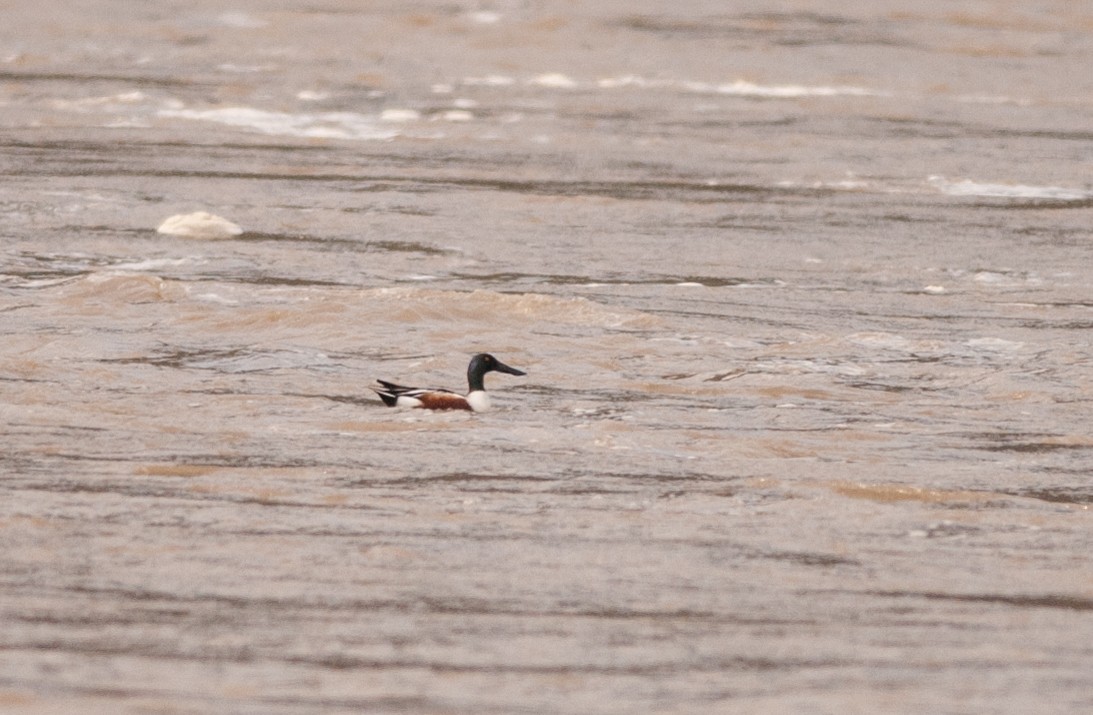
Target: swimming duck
[(476, 399)]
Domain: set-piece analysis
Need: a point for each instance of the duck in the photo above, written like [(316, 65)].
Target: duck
[(476, 399)]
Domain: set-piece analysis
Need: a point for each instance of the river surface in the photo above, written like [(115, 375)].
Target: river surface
[(804, 292)]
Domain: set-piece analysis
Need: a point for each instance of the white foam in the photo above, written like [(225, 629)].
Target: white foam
[(484, 17), (627, 80), (327, 125), (739, 88), (400, 115), (152, 264), (127, 124), (849, 184), (457, 115), (493, 80), (555, 80), (245, 69), (967, 187), (123, 99), (214, 298), (750, 89)]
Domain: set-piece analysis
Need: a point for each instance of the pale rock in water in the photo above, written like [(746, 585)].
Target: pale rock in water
[(199, 224)]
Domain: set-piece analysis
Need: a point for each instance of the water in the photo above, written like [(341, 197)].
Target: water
[(803, 296)]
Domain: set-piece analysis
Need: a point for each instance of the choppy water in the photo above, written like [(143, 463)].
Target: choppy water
[(804, 296)]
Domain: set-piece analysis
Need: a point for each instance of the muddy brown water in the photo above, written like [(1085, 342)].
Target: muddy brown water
[(804, 297)]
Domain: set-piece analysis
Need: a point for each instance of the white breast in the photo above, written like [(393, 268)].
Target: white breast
[(479, 400)]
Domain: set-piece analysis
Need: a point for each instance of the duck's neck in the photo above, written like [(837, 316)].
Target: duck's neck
[(476, 382)]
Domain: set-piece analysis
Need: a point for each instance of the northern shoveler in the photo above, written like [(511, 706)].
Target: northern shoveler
[(476, 399)]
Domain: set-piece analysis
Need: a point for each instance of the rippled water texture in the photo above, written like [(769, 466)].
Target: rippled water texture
[(803, 293)]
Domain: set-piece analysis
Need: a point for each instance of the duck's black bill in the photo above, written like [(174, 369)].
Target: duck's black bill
[(502, 367)]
